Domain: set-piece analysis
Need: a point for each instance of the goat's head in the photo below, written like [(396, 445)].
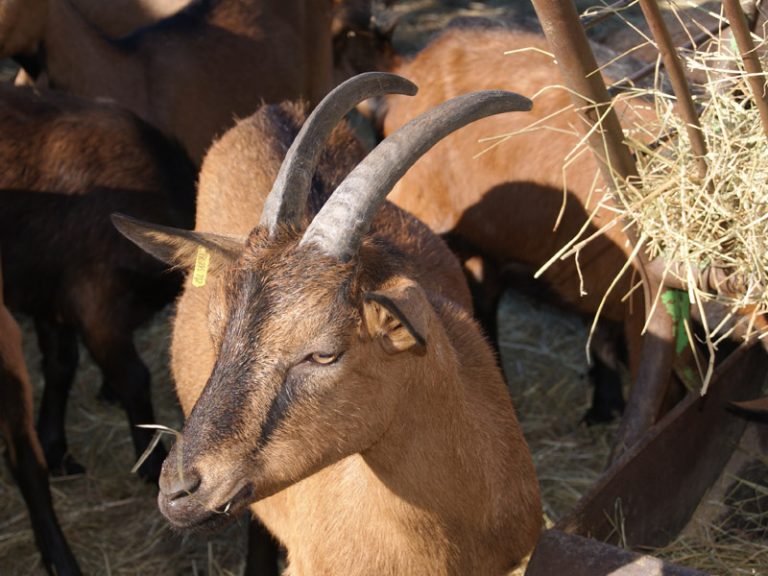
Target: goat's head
[(317, 333), (362, 32), (22, 23)]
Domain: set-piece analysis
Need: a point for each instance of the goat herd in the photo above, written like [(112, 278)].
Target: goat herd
[(324, 350)]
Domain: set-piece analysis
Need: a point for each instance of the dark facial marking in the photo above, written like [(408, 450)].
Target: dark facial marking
[(254, 293), (277, 410)]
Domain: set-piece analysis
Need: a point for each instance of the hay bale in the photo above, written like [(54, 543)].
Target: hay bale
[(719, 221)]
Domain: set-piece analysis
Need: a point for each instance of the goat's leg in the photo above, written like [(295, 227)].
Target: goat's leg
[(605, 375), (263, 551), (114, 352), (486, 287), (58, 345), (106, 394), (24, 455), (25, 459), (485, 284), (607, 395)]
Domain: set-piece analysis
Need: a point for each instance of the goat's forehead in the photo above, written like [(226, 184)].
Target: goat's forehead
[(301, 274), (291, 289)]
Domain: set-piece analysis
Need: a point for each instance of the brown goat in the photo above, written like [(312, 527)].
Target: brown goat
[(333, 378), (360, 28), (67, 164), (23, 453), (361, 31), (505, 203), (191, 74)]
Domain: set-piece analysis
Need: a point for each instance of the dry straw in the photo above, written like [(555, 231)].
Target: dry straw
[(696, 225), (692, 228), (720, 222)]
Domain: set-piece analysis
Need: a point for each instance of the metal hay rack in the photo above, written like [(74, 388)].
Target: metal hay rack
[(663, 460)]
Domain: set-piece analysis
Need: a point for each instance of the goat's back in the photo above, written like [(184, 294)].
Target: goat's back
[(67, 164), (506, 201), (58, 143)]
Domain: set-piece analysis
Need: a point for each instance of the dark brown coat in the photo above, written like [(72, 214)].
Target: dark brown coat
[(23, 452), (66, 165), (191, 74)]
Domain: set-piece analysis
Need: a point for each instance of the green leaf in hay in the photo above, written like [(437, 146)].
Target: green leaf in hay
[(678, 306)]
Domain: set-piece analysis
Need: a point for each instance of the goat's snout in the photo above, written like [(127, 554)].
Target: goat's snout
[(177, 497), (188, 503), (177, 477), (179, 483)]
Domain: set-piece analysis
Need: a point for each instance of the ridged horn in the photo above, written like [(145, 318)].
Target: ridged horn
[(342, 222), (288, 198)]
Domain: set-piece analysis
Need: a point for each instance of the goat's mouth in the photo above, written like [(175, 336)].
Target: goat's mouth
[(191, 511)]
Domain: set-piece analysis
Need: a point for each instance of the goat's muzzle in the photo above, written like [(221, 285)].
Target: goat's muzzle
[(187, 504)]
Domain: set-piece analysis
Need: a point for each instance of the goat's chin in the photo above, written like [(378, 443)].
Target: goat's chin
[(193, 513)]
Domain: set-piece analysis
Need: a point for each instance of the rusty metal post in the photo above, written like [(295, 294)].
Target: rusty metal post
[(654, 488), (755, 76), (648, 391), (560, 553), (679, 83), (648, 69), (577, 64)]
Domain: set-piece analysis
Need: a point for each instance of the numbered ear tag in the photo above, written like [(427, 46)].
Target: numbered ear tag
[(200, 274)]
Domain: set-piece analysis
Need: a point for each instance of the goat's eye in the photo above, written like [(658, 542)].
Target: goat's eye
[(322, 359)]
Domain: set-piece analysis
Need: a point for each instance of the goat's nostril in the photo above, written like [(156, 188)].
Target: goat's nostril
[(181, 486)]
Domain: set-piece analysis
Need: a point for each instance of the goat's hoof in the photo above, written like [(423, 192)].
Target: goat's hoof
[(66, 466)]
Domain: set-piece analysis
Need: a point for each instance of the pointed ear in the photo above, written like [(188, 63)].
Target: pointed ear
[(180, 248), (398, 315)]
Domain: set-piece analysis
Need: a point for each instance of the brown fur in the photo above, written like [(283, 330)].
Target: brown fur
[(239, 171), (67, 164), (506, 202), (356, 403), (16, 391), (361, 31), (191, 74)]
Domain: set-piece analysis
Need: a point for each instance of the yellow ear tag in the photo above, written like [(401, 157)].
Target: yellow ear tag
[(200, 275)]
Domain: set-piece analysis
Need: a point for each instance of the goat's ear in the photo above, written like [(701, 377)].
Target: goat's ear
[(398, 315), (180, 248)]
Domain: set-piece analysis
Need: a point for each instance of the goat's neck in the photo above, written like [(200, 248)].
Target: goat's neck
[(449, 489), (80, 60), (434, 434), (454, 465)]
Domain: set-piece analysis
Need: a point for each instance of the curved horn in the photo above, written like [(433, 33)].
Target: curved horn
[(342, 222), (288, 198)]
